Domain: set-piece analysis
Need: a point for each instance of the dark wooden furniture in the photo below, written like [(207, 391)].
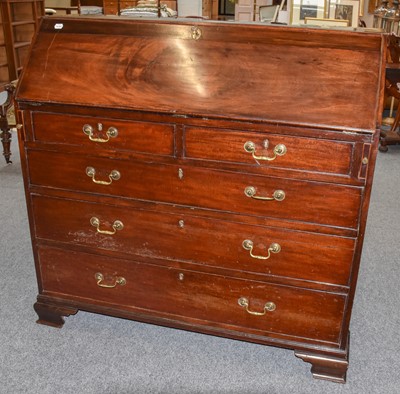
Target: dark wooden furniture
[(392, 136), (19, 21), (213, 177)]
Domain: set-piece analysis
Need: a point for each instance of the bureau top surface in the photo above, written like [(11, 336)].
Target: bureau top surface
[(297, 76)]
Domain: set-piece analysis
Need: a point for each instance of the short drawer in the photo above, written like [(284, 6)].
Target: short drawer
[(269, 150), (104, 133), (205, 241), (314, 202), (207, 299)]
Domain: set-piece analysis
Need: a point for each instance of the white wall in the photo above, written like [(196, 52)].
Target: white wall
[(190, 7), (367, 18)]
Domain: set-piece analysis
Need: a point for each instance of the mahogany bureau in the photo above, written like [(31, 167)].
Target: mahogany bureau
[(208, 176)]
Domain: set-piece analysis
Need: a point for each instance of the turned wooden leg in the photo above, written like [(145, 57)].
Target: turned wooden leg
[(382, 142), (6, 141), (52, 315), (326, 367), (383, 148)]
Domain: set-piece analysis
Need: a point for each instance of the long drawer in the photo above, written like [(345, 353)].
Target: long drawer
[(104, 133), (270, 150), (199, 187), (185, 237), (235, 304)]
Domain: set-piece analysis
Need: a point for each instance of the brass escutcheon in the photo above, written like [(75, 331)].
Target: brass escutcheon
[(278, 195), (279, 150), (196, 33), (119, 280), (247, 244), (268, 307)]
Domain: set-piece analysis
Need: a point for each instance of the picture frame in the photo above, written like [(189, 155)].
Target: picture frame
[(268, 13), (345, 9), (327, 22), (301, 9)]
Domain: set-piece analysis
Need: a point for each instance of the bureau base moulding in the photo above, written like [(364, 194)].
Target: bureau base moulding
[(324, 366)]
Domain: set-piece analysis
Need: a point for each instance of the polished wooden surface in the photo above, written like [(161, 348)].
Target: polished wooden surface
[(312, 154), (167, 242), (160, 182), (205, 239), (181, 292), (173, 74), (146, 137)]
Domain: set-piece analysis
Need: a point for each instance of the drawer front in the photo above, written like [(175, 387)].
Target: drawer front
[(206, 241), (210, 299), (144, 137), (270, 150), (321, 203)]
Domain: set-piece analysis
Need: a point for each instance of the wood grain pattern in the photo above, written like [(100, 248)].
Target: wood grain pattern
[(187, 238), (200, 296), (144, 137), (201, 188), (209, 77), (303, 154)]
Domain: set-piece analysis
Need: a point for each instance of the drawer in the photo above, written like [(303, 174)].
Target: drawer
[(206, 241), (321, 203), (104, 133), (202, 298), (270, 150)]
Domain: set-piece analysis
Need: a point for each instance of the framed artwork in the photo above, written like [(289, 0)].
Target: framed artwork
[(326, 22), (345, 9), (302, 9)]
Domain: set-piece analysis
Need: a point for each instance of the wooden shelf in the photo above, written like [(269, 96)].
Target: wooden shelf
[(19, 21)]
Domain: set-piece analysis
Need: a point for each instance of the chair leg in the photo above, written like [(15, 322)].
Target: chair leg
[(6, 141)]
